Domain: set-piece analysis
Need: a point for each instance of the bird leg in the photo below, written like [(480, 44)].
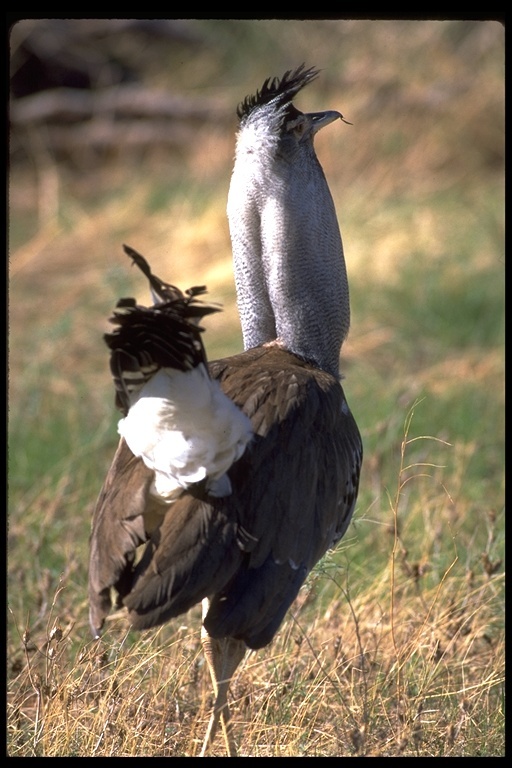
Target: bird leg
[(223, 657)]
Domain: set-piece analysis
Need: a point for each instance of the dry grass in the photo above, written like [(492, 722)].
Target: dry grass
[(412, 666), (395, 646)]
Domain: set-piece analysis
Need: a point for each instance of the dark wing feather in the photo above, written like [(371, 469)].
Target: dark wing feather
[(251, 551), (117, 530), (190, 555), (298, 526)]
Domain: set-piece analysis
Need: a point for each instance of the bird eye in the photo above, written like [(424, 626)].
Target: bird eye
[(297, 126)]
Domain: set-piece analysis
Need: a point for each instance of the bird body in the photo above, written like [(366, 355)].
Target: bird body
[(239, 531)]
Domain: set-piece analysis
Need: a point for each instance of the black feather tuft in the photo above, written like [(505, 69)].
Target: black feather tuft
[(282, 90), (164, 292), (145, 339)]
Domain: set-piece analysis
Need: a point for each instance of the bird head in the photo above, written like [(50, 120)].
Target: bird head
[(271, 119)]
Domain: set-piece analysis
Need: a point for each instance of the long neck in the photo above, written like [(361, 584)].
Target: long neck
[(288, 258)]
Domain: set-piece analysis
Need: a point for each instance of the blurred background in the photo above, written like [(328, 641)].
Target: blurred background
[(123, 131)]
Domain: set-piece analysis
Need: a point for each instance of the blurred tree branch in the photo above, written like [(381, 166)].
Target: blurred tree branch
[(83, 83)]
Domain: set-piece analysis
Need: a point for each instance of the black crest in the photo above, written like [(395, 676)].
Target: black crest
[(281, 90)]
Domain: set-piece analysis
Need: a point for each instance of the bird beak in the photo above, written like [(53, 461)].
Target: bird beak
[(320, 119)]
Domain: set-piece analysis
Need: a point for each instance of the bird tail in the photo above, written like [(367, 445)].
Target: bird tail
[(163, 292), (177, 419), (146, 339)]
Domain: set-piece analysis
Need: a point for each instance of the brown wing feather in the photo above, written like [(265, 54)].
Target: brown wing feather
[(251, 551), (117, 529), (304, 482)]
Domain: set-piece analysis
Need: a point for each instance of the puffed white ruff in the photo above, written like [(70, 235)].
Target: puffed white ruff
[(186, 430)]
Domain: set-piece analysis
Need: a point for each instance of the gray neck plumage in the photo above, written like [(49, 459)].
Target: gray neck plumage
[(289, 266)]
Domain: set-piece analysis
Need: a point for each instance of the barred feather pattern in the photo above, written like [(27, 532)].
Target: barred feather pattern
[(166, 335)]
